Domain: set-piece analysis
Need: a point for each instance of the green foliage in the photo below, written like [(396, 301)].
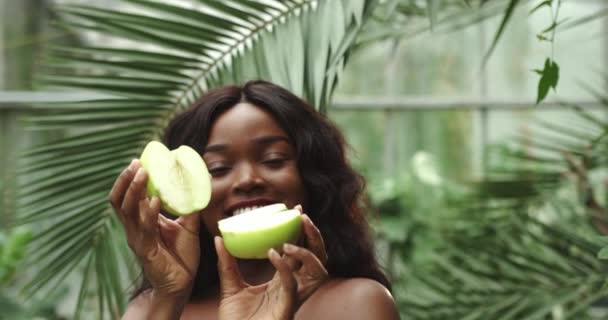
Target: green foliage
[(13, 246), (401, 19), (550, 73), (525, 242), (549, 77), (12, 250), (505, 20)]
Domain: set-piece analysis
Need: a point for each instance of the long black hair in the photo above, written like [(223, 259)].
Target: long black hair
[(334, 189)]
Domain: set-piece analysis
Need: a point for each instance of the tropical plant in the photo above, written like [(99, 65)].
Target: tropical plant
[(12, 250), (522, 243)]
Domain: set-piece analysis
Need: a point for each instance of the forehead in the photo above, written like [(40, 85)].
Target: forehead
[(244, 120)]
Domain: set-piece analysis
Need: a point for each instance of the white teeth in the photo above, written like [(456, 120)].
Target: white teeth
[(243, 210)]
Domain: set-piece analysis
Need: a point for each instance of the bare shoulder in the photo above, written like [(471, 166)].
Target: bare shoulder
[(354, 298)]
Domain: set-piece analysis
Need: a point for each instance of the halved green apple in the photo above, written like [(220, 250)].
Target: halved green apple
[(178, 177), (251, 234)]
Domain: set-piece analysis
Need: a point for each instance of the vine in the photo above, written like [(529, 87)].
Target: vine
[(549, 75)]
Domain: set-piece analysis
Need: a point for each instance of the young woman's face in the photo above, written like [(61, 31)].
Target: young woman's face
[(252, 164)]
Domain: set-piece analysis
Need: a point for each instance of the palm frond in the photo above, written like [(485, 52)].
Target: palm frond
[(525, 270), (549, 157), (407, 19)]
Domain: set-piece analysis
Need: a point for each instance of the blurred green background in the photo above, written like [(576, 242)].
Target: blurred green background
[(484, 204)]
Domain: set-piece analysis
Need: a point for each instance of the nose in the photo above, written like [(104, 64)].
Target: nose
[(247, 179)]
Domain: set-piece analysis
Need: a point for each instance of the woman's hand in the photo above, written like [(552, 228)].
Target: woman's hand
[(300, 272), (308, 263), (168, 250), (273, 300)]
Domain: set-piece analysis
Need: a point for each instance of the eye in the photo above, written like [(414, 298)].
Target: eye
[(218, 171), (274, 161)]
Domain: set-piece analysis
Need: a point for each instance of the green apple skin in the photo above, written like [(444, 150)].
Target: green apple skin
[(198, 201), (254, 244)]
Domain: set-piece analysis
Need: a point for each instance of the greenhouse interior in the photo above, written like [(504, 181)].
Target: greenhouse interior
[(480, 128)]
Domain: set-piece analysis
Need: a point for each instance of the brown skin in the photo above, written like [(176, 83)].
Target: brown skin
[(251, 161)]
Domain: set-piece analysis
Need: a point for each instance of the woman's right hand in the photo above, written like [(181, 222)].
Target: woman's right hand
[(168, 250)]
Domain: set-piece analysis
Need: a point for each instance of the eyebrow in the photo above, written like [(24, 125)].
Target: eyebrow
[(263, 140), (270, 139)]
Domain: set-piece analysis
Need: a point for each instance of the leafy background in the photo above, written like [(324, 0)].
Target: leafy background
[(469, 224)]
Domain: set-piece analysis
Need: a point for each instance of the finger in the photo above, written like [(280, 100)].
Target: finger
[(292, 262), (149, 212), (120, 187), (191, 222), (187, 242), (135, 193), (230, 278), (314, 240), (288, 281), (144, 204), (310, 262)]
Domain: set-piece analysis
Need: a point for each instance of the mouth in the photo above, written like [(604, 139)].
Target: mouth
[(248, 205), (243, 210)]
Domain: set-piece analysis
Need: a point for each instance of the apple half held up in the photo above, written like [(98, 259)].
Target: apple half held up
[(178, 177), (251, 234)]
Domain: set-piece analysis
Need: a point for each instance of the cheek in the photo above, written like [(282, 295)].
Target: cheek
[(291, 185)]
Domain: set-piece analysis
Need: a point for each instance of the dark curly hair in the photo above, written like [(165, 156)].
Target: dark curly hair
[(334, 189)]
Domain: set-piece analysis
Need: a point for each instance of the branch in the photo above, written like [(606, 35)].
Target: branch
[(580, 170)]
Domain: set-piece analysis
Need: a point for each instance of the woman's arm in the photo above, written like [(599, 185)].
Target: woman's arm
[(168, 250)]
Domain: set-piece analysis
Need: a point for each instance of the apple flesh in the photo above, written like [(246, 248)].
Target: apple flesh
[(251, 234), (179, 178)]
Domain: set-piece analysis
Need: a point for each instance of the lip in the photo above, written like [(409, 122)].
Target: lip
[(249, 203)]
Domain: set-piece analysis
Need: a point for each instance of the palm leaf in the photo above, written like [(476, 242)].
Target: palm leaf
[(527, 249), (148, 60), (544, 160), (526, 270), (406, 19)]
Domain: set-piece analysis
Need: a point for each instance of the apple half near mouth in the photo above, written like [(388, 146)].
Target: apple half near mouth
[(251, 234), (178, 177)]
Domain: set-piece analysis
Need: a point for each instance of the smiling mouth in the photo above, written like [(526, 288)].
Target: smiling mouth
[(243, 210)]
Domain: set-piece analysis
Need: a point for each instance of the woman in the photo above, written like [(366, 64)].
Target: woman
[(262, 145)]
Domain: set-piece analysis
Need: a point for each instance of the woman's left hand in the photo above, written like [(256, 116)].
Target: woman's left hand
[(308, 263), (273, 300), (300, 272)]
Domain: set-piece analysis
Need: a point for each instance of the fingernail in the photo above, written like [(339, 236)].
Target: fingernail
[(273, 253), (289, 247), (139, 174), (131, 165)]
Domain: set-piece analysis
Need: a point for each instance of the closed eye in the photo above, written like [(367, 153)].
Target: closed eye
[(219, 171), (275, 162)]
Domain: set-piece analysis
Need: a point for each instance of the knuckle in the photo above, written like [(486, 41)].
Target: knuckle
[(135, 184), (149, 255), (179, 280)]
